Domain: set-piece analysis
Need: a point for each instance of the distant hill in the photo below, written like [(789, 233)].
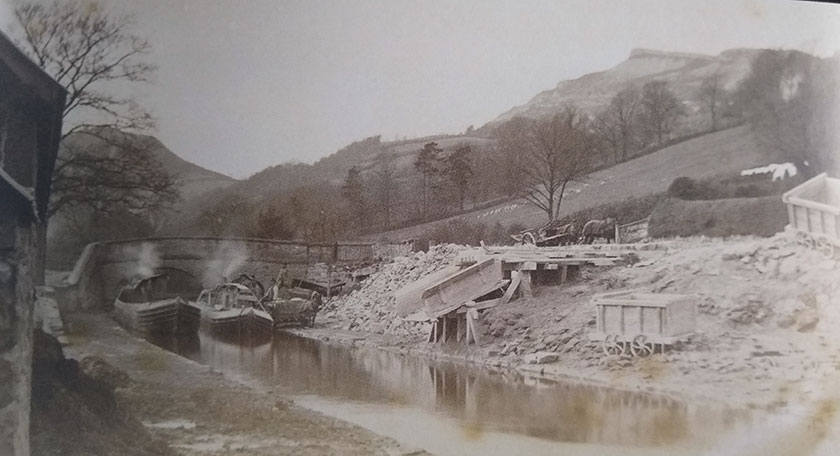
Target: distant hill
[(683, 72), (193, 179)]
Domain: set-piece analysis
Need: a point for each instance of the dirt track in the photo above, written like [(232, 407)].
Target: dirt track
[(198, 412)]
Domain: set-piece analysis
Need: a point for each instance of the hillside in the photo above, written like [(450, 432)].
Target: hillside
[(281, 185), (727, 151), (194, 180), (683, 72)]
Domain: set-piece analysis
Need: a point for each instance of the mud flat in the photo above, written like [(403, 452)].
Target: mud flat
[(200, 412)]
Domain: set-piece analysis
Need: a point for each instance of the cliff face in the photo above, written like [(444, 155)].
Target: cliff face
[(683, 72)]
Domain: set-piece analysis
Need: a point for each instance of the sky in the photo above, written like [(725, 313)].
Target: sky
[(243, 85)]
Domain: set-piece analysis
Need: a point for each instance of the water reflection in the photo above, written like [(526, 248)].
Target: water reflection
[(478, 398)]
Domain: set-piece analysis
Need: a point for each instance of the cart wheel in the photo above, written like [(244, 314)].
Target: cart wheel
[(804, 239), (640, 346), (529, 238), (612, 346), (824, 245)]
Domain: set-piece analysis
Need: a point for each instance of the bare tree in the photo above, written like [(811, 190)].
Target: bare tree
[(427, 163), (107, 172), (85, 47), (551, 153), (459, 171), (660, 110), (710, 95), (619, 123), (385, 186), (90, 51), (353, 190)]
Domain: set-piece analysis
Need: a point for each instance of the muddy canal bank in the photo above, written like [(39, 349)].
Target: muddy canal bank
[(198, 411)]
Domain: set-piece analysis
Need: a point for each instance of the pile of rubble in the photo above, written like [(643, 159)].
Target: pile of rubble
[(748, 281), (372, 308)]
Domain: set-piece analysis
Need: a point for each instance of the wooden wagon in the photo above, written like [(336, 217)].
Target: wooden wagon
[(637, 322), (551, 234), (814, 213)]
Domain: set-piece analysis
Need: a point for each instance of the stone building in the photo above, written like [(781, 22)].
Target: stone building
[(31, 106)]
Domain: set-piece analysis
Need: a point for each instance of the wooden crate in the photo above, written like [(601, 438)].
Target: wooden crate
[(814, 208), (663, 318)]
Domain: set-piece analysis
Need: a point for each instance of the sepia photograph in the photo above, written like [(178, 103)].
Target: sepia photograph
[(419, 227)]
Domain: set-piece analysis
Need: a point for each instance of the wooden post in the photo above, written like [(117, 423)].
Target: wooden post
[(469, 330), (515, 277), (472, 316), (329, 279), (564, 271), (525, 284), (445, 335)]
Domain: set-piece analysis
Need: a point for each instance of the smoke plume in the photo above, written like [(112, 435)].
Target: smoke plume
[(146, 259), (225, 263)]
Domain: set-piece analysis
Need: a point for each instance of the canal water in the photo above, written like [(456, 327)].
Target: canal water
[(446, 408)]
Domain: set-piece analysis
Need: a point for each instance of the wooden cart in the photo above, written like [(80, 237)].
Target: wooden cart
[(814, 213), (636, 322), (551, 234)]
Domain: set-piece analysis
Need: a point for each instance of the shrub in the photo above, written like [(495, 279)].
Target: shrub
[(687, 188), (718, 218), (734, 186)]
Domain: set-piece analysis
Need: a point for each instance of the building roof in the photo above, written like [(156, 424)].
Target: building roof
[(30, 74), (38, 85)]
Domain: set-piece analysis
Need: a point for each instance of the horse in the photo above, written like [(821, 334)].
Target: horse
[(598, 229)]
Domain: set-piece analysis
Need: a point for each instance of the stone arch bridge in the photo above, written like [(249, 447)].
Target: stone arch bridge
[(193, 262)]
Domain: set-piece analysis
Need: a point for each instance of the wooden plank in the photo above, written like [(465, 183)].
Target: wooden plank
[(456, 307), (467, 284), (791, 215), (516, 279), (490, 303), (814, 205)]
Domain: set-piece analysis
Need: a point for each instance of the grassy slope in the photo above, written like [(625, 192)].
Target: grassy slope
[(709, 155)]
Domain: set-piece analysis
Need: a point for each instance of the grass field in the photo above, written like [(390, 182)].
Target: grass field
[(710, 155)]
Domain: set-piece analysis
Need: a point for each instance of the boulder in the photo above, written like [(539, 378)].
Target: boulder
[(807, 321), (541, 357)]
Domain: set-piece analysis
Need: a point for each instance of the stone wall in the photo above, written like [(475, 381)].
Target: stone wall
[(104, 267), (16, 304)]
